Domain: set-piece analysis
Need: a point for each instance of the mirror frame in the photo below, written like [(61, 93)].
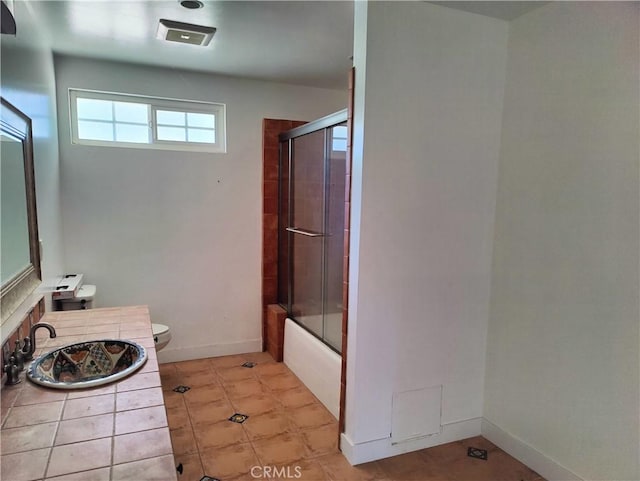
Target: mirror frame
[(17, 289)]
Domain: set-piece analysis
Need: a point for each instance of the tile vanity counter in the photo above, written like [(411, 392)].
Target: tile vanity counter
[(114, 432)]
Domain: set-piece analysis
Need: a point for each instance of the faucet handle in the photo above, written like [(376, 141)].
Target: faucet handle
[(19, 356), (13, 373)]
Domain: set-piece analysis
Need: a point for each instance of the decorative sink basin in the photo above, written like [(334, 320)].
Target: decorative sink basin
[(87, 364)]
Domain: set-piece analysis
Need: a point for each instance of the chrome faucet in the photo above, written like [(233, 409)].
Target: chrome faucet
[(30, 342)]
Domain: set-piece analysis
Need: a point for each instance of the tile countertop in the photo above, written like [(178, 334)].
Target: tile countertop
[(115, 432)]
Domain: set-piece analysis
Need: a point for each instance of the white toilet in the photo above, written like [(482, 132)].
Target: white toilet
[(161, 335)]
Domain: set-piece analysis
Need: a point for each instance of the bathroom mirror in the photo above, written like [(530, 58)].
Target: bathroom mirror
[(19, 246)]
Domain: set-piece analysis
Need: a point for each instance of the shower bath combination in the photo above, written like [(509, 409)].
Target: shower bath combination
[(311, 226)]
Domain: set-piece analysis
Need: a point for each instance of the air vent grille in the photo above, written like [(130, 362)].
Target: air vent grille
[(180, 32)]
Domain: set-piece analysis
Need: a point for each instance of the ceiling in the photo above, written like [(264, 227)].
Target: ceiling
[(300, 42), (306, 42), (502, 10)]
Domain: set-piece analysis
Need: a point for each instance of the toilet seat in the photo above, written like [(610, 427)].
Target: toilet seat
[(161, 335), (159, 329)]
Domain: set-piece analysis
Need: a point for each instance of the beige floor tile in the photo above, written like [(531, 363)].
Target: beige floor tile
[(195, 366), (89, 406), (270, 394), (248, 387), (235, 373), (338, 469), (321, 440), (169, 381), (257, 404), (191, 467), (282, 382), (178, 417), (72, 458), (280, 450), (499, 467), (204, 394), (84, 429), (167, 368), (219, 434), (213, 412), (271, 369), (294, 398), (228, 361), (229, 461), (24, 466), (183, 441), (173, 399), (411, 467), (311, 416), (199, 379), (260, 357), (141, 445), (267, 425), (152, 469), (305, 470), (34, 414)]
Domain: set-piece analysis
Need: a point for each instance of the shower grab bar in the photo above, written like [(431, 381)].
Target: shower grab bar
[(308, 233)]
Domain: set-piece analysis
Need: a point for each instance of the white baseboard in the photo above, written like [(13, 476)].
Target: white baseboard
[(211, 350), (383, 448), (526, 454)]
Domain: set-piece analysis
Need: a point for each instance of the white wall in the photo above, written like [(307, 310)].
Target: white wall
[(562, 353), (28, 82), (178, 231), (426, 146)]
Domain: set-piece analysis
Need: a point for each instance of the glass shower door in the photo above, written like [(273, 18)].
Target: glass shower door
[(336, 165), (306, 230), (311, 225)]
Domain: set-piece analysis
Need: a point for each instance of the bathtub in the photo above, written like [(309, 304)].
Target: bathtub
[(317, 365)]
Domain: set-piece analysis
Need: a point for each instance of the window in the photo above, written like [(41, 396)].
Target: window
[(108, 119), (339, 138)]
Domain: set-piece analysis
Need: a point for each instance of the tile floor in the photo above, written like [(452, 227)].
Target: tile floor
[(287, 428)]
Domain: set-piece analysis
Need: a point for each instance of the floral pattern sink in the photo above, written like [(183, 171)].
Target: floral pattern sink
[(87, 364)]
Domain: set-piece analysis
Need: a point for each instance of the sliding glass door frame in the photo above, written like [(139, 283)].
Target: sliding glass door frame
[(287, 139)]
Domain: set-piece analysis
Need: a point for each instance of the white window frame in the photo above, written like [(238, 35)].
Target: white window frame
[(154, 104)]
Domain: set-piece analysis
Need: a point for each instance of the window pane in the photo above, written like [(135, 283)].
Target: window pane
[(208, 121), (201, 135), (172, 133), (339, 144), (95, 130), (95, 109), (130, 112), (340, 132), (132, 133), (169, 117)]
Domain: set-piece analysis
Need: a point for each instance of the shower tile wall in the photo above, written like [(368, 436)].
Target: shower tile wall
[(347, 227), (271, 128)]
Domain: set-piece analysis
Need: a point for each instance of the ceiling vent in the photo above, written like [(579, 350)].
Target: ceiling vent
[(173, 31)]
